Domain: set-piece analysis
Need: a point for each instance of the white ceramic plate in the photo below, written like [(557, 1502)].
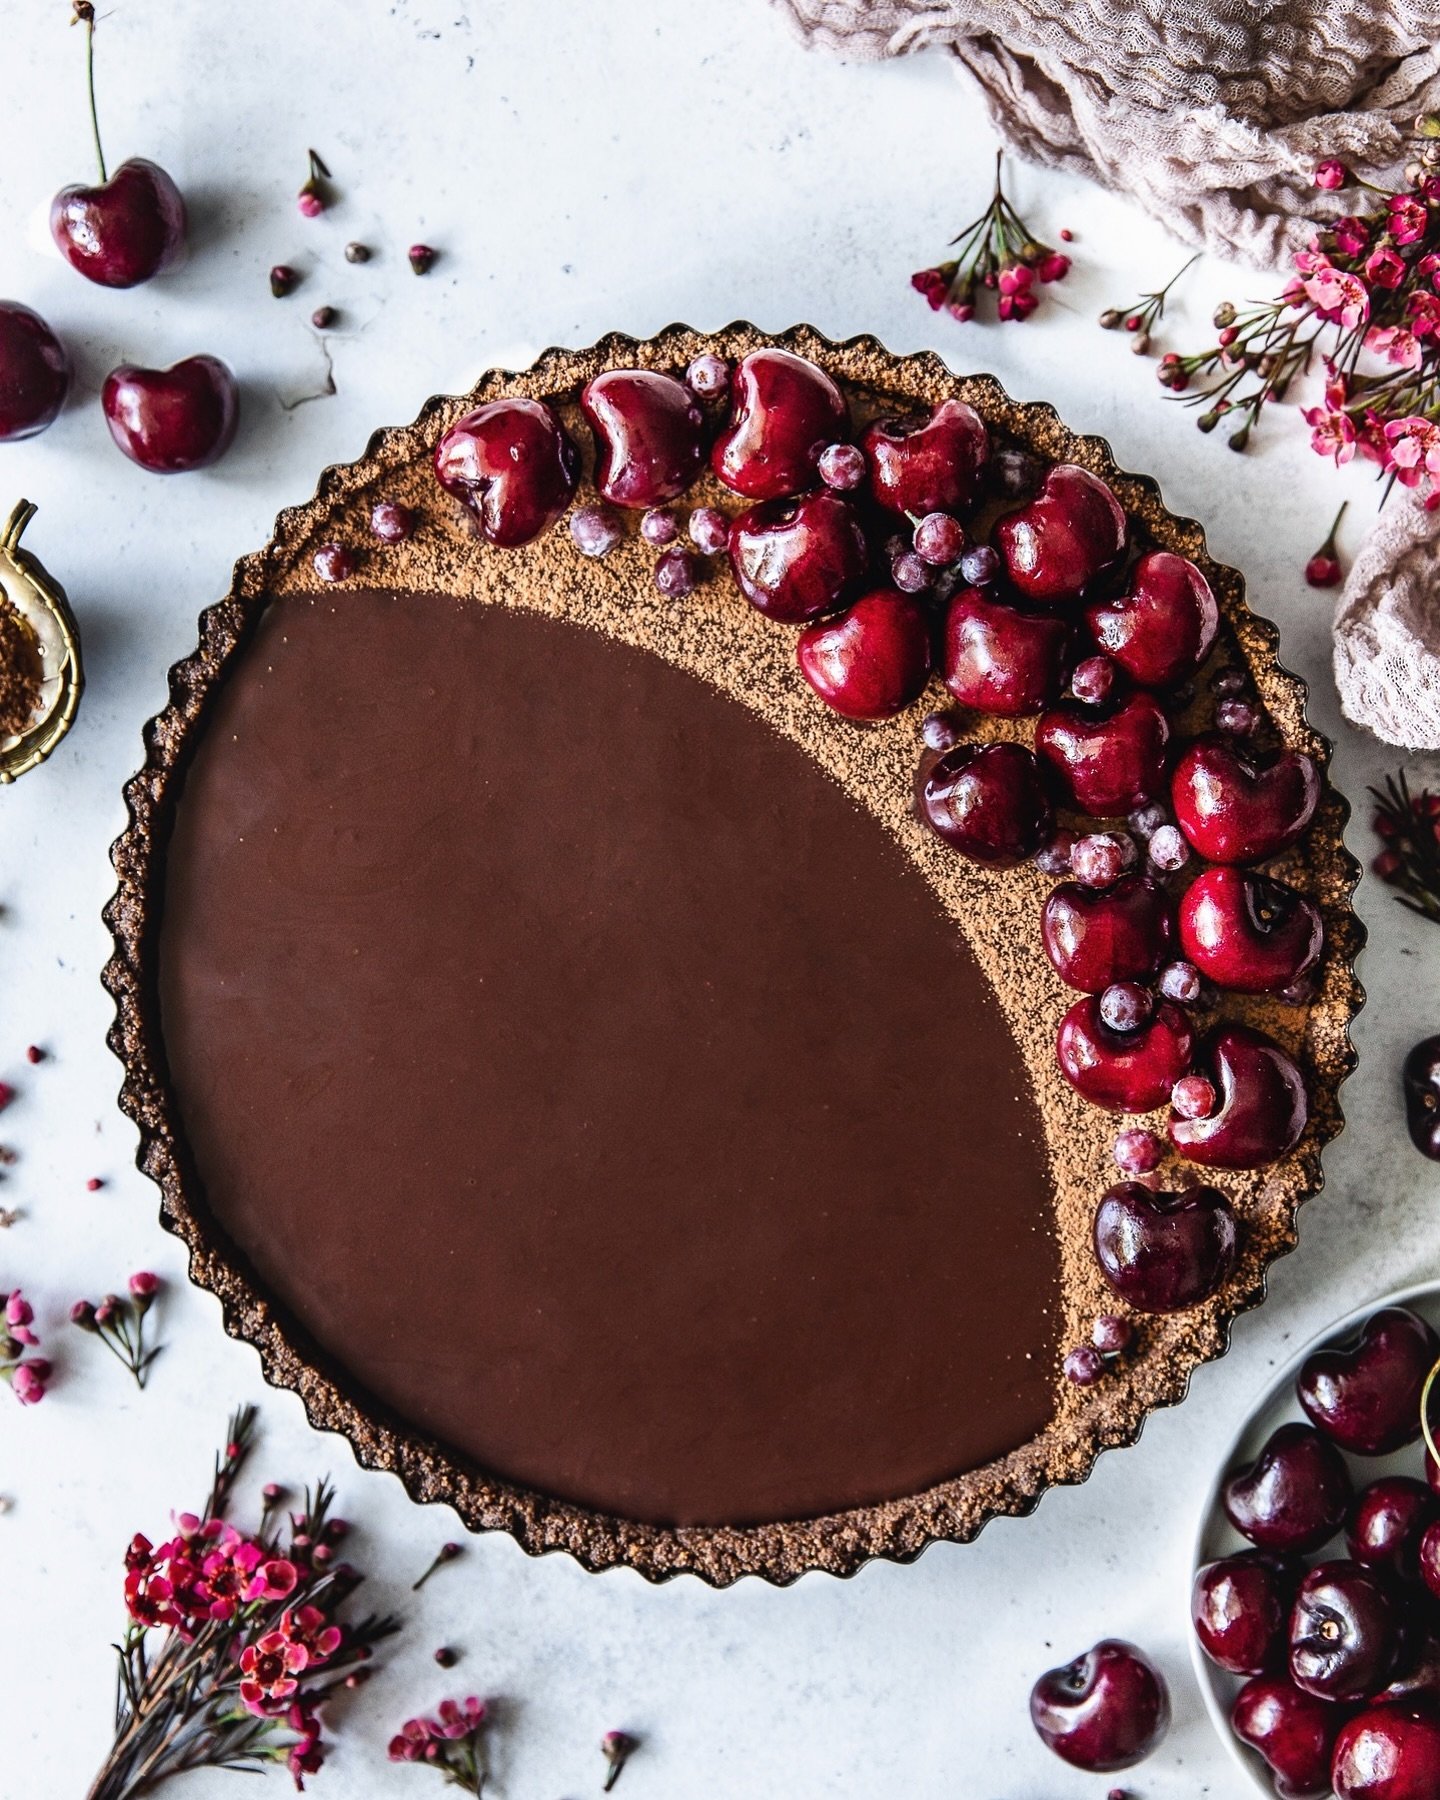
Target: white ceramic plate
[(1218, 1537)]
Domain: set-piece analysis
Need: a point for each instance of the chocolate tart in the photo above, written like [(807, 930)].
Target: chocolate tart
[(584, 1079)]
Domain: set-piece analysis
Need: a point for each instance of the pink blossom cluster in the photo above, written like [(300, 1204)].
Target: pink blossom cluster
[(28, 1375), (997, 252), (208, 1570), (449, 1741)]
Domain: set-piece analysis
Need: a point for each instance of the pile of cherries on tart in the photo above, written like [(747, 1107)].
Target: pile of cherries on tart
[(905, 546), (1339, 1646)]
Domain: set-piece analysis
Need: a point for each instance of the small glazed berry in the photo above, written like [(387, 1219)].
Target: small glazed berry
[(909, 573), (709, 530), (870, 661), (979, 565), (1111, 1334), (1137, 1151), (676, 574), (659, 527), (784, 411), (1365, 1396), (1344, 1632), (1387, 1522), (928, 465), (796, 559), (1180, 982), (1428, 1559), (649, 436), (1125, 1006), (1420, 1079), (1093, 680), (842, 466), (1054, 858), (1292, 1730), (123, 231), (172, 420), (594, 530), (1107, 1710), (1193, 1097), (1238, 807), (1294, 1496), (1249, 933), (939, 539), (709, 376), (1101, 857), (1001, 659), (1083, 1366), (1240, 1608), (1237, 717), (1168, 849), (1130, 1072), (1094, 937), (333, 562), (512, 464), (938, 731), (1164, 1252), (988, 801), (1112, 759), (34, 373), (1070, 533), (391, 522), (1262, 1105), (1163, 626), (1388, 1753)]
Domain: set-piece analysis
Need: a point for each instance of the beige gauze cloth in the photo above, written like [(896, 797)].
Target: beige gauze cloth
[(1213, 119)]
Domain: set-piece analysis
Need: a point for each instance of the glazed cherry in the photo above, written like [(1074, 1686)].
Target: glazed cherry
[(123, 231), (1112, 758), (649, 436), (1249, 933), (512, 464), (1238, 807), (796, 559), (1261, 1103), (172, 420), (1071, 532), (1292, 1730), (1294, 1496), (1106, 1710), (783, 413), (1162, 1252), (1344, 1632), (929, 465), (34, 372), (1001, 659), (989, 801), (1388, 1753), (1420, 1079), (1131, 1071), (1240, 1608), (1365, 1396), (1386, 1524), (873, 659), (1162, 627), (1094, 937)]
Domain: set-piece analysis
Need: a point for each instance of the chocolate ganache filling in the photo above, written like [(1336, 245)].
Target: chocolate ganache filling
[(598, 1086)]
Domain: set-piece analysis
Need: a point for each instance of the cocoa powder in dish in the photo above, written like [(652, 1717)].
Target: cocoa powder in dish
[(21, 672)]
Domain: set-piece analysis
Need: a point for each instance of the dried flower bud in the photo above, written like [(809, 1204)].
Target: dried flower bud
[(1225, 315), (272, 1493), (446, 1657), (283, 280), (1239, 440), (323, 317), (1141, 345), (82, 1313), (422, 258), (617, 1747), (1110, 318), (357, 253), (314, 196)]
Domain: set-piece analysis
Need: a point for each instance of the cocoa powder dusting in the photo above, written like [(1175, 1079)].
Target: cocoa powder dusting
[(21, 672)]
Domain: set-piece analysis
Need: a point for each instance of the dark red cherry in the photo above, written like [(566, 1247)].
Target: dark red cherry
[(1239, 807), (783, 413), (1111, 758), (1365, 1396), (1001, 659), (1164, 1252), (1344, 1632), (1416, 1680), (1420, 1078), (512, 464), (1240, 1608), (1249, 933), (796, 559), (1106, 1710), (1295, 1494), (1162, 628), (34, 372), (1096, 936), (1056, 545), (1261, 1104), (172, 420), (649, 436), (988, 801), (1388, 1753), (1292, 1730), (1386, 1524), (1429, 1559), (871, 660), (927, 465), (123, 231), (1130, 1071)]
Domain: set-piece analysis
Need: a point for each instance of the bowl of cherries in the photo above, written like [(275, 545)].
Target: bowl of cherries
[(1316, 1594)]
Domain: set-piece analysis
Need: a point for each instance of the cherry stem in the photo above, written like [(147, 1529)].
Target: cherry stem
[(88, 15), (1425, 1431)]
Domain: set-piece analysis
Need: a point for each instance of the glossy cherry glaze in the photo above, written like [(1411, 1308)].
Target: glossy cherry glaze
[(873, 659), (1386, 1524), (1240, 1608), (1344, 1632), (1000, 658), (172, 420), (989, 801), (1365, 1396), (927, 465), (1163, 626), (1236, 806), (1130, 1071), (1096, 936), (796, 559), (1111, 758), (1388, 1753), (1163, 1252), (1107, 1710), (1421, 1082), (34, 373), (1248, 933), (124, 230), (512, 464), (1261, 1102), (1292, 1730), (1070, 533), (783, 412), (1294, 1496), (649, 436)]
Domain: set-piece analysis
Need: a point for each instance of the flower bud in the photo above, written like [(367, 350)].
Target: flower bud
[(82, 1313), (1110, 318), (1224, 315)]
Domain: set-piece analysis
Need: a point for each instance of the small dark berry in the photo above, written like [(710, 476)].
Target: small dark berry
[(1125, 1006), (980, 565), (333, 562), (323, 317), (391, 523), (283, 280), (939, 539), (446, 1657), (1111, 1334), (841, 466), (594, 530), (676, 574), (708, 376), (1084, 1365), (709, 530), (659, 527), (1138, 1151), (938, 731)]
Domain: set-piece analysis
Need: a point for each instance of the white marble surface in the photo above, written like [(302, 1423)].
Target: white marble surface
[(581, 170)]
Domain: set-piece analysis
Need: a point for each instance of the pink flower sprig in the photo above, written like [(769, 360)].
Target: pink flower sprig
[(119, 1323), (1144, 314), (235, 1638), (1323, 569), (1409, 827), (617, 1747), (452, 1742), (316, 194), (28, 1375), (997, 251)]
